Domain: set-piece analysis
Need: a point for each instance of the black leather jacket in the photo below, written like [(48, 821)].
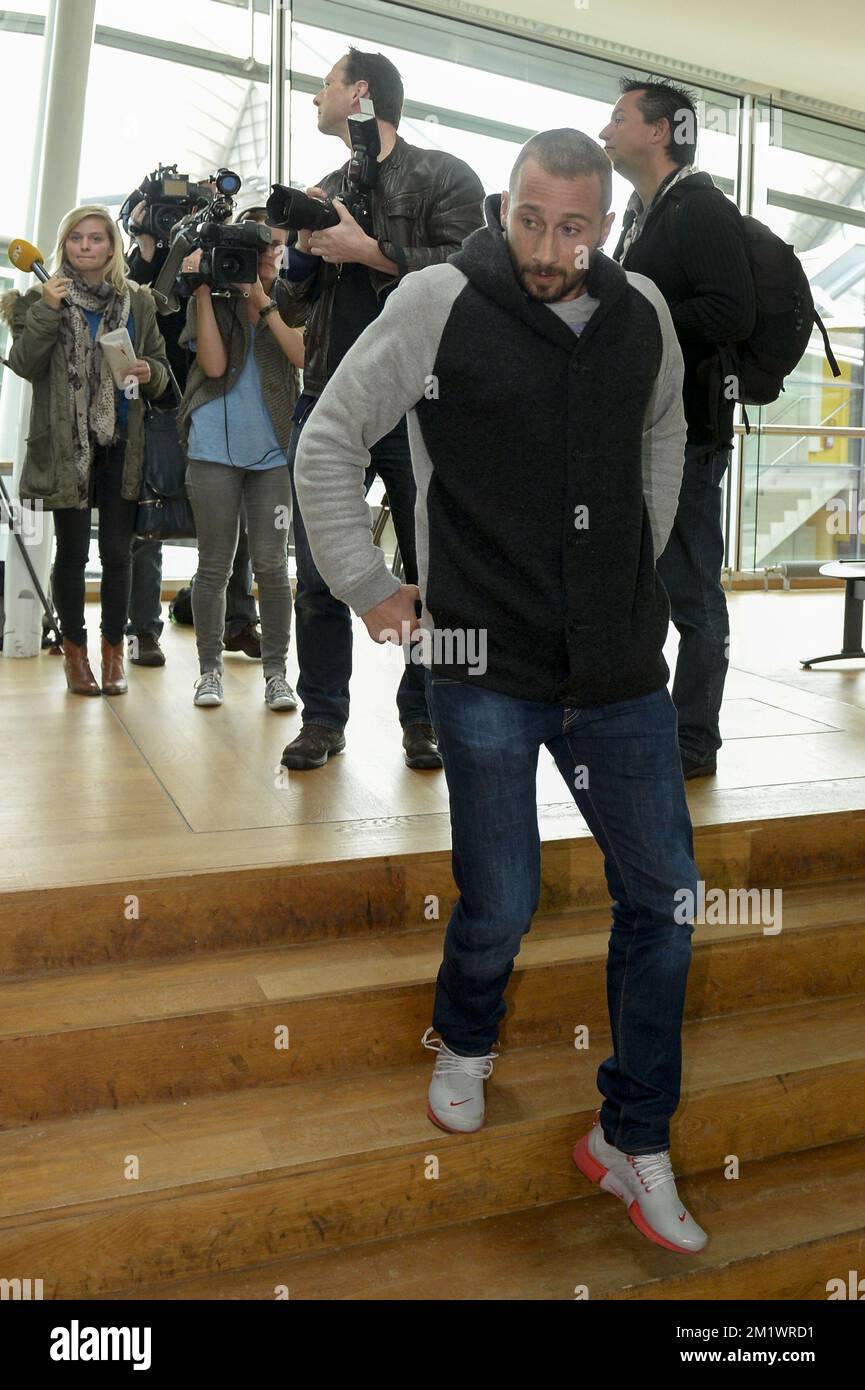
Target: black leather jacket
[(424, 205)]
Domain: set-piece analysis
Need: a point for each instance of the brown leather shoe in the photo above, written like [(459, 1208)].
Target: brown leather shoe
[(113, 674), (79, 677)]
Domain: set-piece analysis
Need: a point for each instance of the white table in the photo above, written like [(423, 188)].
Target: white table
[(853, 573)]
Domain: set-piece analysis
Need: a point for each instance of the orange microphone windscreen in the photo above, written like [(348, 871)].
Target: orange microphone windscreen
[(24, 255)]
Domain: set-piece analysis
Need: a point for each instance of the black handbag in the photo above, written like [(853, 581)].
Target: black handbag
[(164, 511)]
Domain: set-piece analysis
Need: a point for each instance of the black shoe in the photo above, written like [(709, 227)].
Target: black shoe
[(248, 641), (145, 650), (691, 768), (312, 747), (421, 746)]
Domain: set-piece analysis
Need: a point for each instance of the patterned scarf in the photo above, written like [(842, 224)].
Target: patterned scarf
[(90, 385), (639, 213)]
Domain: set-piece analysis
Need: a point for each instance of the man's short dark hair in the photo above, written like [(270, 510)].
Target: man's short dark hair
[(567, 154), (660, 100), (385, 84)]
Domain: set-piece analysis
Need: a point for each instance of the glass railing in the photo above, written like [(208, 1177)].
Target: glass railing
[(802, 498), (801, 493)]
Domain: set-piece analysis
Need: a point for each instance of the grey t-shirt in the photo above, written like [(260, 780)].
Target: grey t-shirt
[(575, 312)]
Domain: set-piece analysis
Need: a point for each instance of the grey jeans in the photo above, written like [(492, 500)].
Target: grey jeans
[(216, 493)]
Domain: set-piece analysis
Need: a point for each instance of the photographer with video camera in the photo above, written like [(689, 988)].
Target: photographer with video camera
[(402, 208), (148, 216), (85, 446), (235, 423)]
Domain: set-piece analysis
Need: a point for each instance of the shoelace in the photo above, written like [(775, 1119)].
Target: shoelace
[(653, 1169), (208, 684), (277, 685), (448, 1061)]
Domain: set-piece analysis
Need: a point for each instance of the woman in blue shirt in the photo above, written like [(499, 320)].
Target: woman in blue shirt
[(236, 422)]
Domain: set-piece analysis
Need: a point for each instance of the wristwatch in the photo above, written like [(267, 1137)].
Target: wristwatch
[(268, 309)]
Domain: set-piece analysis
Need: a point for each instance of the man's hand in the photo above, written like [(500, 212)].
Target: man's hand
[(395, 620), (303, 237), (348, 243)]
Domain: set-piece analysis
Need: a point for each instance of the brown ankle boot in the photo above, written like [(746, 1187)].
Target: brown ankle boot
[(79, 677), (113, 674)]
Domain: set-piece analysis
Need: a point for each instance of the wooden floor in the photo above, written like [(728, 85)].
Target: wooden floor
[(147, 785), (213, 988)]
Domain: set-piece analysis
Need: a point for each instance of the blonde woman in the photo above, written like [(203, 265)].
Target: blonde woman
[(85, 448)]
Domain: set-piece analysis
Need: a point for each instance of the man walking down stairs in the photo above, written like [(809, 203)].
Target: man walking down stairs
[(543, 388)]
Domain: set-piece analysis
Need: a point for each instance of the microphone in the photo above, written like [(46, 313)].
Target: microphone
[(25, 256)]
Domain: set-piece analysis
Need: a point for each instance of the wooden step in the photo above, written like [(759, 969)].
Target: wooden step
[(64, 926), (782, 1230), (138, 1032), (231, 1181)]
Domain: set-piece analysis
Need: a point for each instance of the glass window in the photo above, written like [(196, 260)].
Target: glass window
[(189, 86), (801, 492), (477, 94), (21, 46), (21, 50)]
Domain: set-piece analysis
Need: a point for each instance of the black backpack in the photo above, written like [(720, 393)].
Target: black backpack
[(180, 607), (752, 372)]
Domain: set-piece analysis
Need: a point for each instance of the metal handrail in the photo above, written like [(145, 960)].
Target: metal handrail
[(807, 431), (843, 405)]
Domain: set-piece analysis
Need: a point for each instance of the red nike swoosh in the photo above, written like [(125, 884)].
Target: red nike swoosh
[(461, 1102), (682, 1217)]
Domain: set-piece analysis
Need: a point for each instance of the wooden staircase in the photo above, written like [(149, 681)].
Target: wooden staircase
[(213, 1087)]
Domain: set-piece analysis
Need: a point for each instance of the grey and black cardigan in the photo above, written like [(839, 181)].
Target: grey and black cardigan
[(514, 423)]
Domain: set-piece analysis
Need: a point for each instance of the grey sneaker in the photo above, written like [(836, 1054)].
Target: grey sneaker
[(208, 689), (279, 694)]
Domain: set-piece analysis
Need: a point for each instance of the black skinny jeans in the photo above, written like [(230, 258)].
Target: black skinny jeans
[(116, 529)]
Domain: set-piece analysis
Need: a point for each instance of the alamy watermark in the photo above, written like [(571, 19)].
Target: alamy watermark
[(28, 521), (730, 907), (464, 648)]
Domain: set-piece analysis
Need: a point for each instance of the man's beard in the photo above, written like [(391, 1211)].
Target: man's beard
[(562, 281)]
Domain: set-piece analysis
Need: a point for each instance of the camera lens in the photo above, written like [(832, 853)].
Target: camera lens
[(228, 183), (230, 267), (164, 219)]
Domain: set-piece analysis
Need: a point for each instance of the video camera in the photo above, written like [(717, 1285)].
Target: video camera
[(229, 254), (167, 197), (290, 208)]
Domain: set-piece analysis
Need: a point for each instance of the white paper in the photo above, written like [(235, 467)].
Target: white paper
[(119, 354)]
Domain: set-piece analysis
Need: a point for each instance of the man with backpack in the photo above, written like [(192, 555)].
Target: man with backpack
[(680, 231)]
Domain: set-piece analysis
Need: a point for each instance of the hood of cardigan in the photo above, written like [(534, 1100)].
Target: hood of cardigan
[(485, 260)]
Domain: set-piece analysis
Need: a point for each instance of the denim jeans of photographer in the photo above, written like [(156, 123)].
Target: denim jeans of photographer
[(690, 569), (621, 765), (145, 600), (323, 623)]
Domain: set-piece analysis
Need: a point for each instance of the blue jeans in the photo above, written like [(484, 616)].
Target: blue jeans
[(323, 623), (145, 600), (690, 570), (622, 766)]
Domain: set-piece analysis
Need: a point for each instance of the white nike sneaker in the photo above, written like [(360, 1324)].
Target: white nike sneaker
[(456, 1093), (647, 1186)]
